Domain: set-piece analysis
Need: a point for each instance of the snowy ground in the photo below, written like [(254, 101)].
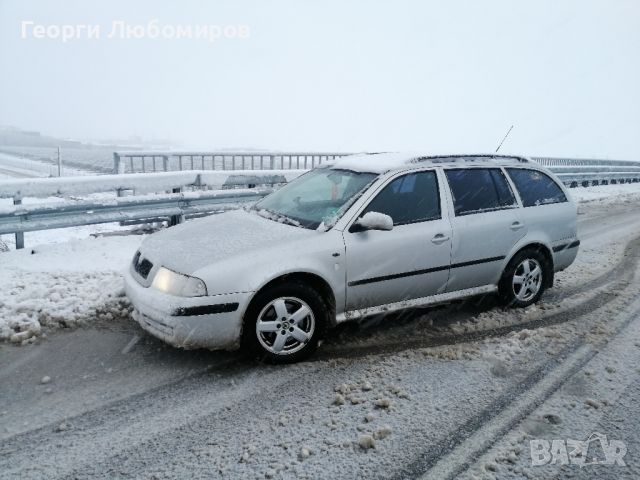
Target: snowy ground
[(606, 193), (63, 285), (457, 391), (14, 166)]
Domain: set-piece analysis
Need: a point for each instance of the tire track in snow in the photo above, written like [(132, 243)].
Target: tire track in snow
[(456, 451), (100, 434), (480, 433)]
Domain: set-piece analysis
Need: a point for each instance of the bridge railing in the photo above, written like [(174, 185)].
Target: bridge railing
[(142, 162), (572, 171)]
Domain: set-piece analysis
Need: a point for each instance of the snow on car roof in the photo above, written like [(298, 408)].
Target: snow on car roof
[(383, 162), (373, 162)]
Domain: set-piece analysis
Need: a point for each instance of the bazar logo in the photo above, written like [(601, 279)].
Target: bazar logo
[(596, 450)]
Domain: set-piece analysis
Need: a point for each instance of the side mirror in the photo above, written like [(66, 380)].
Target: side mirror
[(372, 221)]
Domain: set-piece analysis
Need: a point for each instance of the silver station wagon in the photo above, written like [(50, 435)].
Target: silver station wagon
[(364, 235)]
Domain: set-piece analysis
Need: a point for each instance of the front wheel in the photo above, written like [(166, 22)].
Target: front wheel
[(285, 323), (524, 279)]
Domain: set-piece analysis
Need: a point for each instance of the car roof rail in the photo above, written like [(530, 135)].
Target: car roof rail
[(468, 158)]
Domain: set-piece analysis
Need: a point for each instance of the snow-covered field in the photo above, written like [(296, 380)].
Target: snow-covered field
[(14, 166)]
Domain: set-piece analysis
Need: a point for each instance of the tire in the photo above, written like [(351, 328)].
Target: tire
[(285, 323), (524, 279)]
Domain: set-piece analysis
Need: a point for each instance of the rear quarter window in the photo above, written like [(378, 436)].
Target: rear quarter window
[(535, 187)]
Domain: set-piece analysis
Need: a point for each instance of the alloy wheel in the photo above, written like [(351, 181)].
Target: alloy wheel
[(285, 325), (527, 280)]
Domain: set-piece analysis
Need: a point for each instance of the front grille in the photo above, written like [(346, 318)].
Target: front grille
[(142, 267)]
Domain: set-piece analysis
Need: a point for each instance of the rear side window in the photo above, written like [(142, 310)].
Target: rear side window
[(477, 190), (409, 199), (536, 188)]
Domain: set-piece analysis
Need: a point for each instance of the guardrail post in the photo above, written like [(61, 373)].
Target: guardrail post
[(198, 182), (118, 167), (176, 219), (17, 200), (165, 162), (59, 163)]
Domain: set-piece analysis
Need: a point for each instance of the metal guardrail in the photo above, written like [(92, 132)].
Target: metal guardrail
[(174, 203), (70, 214), (587, 179), (141, 183), (581, 162), (198, 198), (585, 172)]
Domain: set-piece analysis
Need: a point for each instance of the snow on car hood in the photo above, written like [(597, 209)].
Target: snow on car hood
[(195, 244)]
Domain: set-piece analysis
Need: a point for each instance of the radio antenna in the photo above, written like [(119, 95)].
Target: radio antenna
[(505, 137)]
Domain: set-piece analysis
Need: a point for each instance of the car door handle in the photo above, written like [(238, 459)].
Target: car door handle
[(516, 226), (440, 238)]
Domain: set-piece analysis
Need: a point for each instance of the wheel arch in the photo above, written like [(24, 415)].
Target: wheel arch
[(313, 280), (545, 251)]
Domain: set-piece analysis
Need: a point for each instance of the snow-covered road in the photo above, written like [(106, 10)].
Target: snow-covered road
[(457, 391)]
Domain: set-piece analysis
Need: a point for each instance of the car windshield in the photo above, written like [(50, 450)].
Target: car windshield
[(317, 197)]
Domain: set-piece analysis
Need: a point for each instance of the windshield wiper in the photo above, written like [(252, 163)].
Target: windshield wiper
[(278, 217)]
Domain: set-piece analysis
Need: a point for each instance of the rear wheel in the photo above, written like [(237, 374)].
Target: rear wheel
[(285, 323), (524, 279)]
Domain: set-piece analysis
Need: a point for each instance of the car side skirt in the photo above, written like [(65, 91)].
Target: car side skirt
[(416, 302)]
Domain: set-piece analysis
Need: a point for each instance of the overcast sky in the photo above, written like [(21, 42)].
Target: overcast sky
[(362, 75)]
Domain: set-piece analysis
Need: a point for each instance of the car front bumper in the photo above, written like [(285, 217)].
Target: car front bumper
[(213, 322)]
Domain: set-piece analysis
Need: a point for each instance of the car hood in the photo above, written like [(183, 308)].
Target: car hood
[(195, 244)]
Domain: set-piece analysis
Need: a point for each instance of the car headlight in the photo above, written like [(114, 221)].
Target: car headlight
[(173, 283)]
